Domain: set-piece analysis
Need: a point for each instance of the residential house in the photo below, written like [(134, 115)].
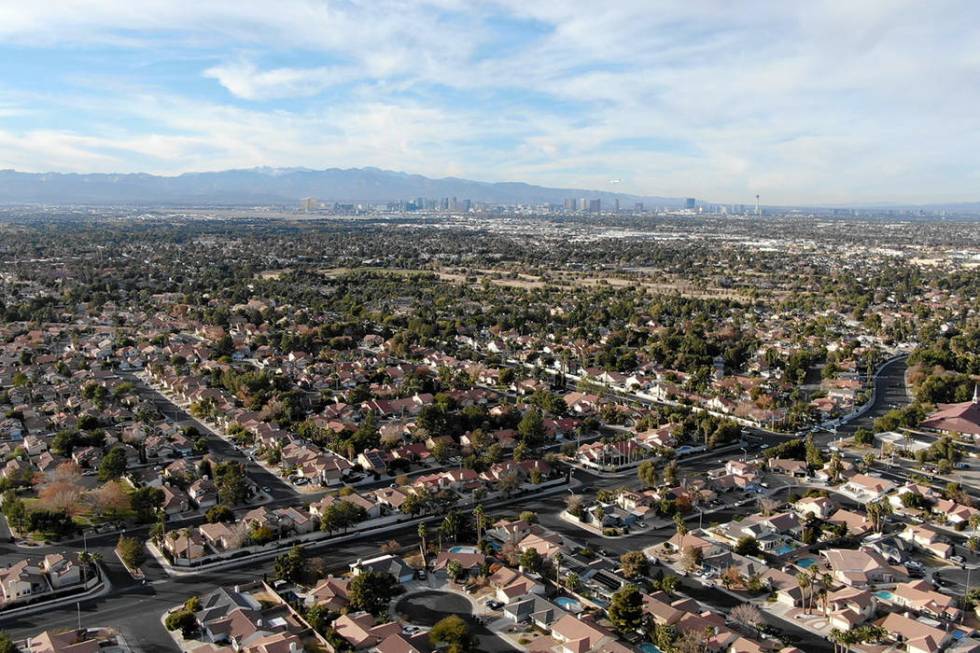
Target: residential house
[(850, 607), (220, 536), (362, 632), (510, 584), (470, 562), (928, 539), (819, 507), (584, 635), (203, 492), (330, 593), (917, 637), (21, 580), (862, 567), (534, 609), (922, 598), (864, 488), (388, 564)]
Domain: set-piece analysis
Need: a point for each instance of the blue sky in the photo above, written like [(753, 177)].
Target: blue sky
[(818, 101)]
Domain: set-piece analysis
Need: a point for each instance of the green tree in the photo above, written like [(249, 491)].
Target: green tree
[(626, 609), (291, 566), (318, 616), (145, 502), (531, 428), (131, 551), (113, 465), (372, 591), (182, 619), (232, 483), (747, 546), (529, 516), (679, 524), (531, 560), (634, 564), (341, 515), (864, 436), (219, 513), (647, 473), (454, 633), (814, 459), (455, 570)]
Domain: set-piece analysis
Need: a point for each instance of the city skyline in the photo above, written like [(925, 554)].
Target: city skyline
[(824, 104)]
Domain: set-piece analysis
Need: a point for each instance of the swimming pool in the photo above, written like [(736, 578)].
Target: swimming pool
[(885, 594), (806, 563), (462, 549), (568, 604), (647, 647), (784, 549)]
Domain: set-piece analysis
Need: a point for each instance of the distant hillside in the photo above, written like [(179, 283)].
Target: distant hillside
[(279, 186)]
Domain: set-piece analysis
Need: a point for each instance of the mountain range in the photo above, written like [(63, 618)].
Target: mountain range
[(282, 186)]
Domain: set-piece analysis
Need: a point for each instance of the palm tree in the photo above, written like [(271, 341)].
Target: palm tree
[(85, 559), (480, 516), (803, 580), (558, 558), (836, 637), (826, 583), (449, 526), (876, 513), (423, 531)]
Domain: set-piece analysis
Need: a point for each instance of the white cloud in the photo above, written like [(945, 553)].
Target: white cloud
[(244, 80), (797, 101)]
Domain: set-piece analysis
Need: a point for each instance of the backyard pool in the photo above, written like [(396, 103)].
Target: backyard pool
[(806, 563), (885, 594), (462, 549), (568, 604), (647, 647), (784, 549)]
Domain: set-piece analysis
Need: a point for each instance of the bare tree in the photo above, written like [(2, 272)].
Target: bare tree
[(767, 505), (747, 615), (692, 641)]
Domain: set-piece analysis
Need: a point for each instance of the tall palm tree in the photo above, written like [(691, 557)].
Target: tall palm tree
[(835, 637), (826, 583), (803, 580), (423, 531), (450, 524), (85, 559), (558, 558), (480, 516), (877, 510)]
